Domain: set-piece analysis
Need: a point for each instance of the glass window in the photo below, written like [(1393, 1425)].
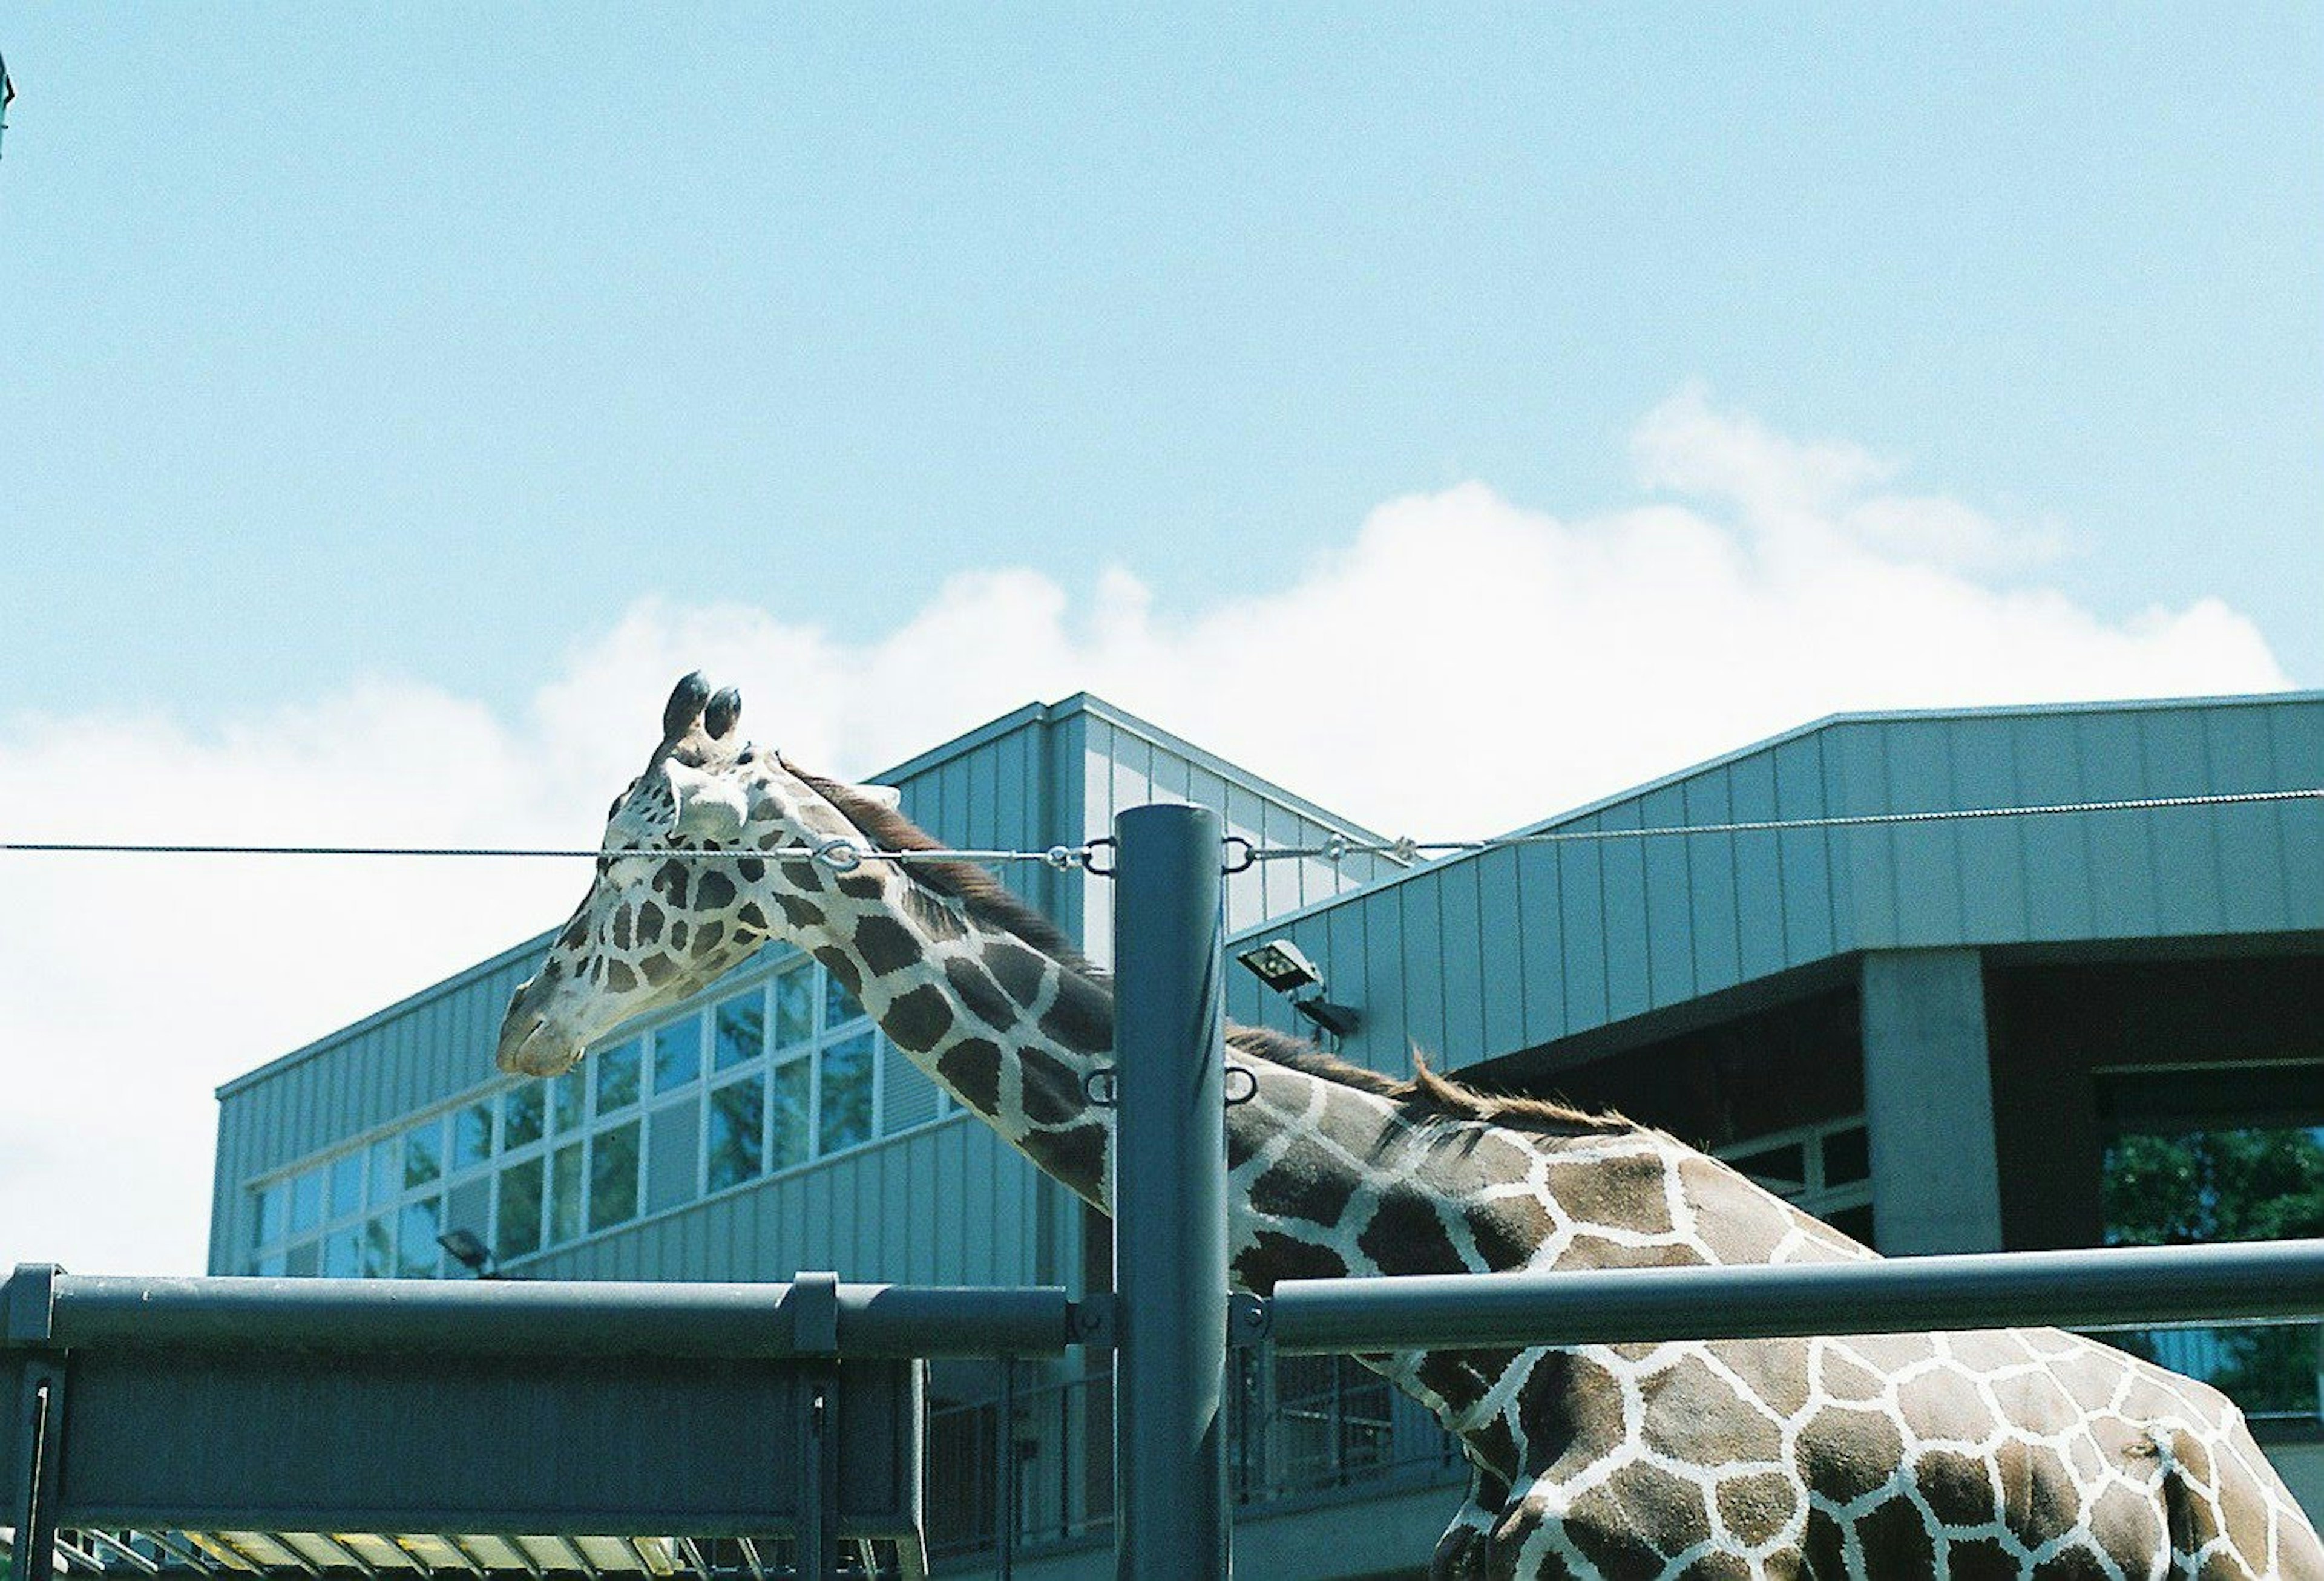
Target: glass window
[(614, 1176), (273, 1265), (564, 1193), (523, 1119), (736, 1122), (305, 1201), (416, 1248), (423, 1154), (274, 1213), (568, 1099), (519, 1226), (742, 1031), (472, 1134), (346, 1185), (378, 1251), (847, 1114), (299, 1261), (1847, 1157), (794, 1007), (794, 1099), (839, 1006), (343, 1253), (673, 1154), (617, 1076), (677, 1054), (386, 1156)]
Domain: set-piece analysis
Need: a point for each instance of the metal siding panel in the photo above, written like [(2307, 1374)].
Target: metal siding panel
[(947, 1262), (1670, 943), (2183, 841), (1245, 816), (1867, 856), (1803, 856), (1583, 935), (1991, 851), (2121, 854), (1710, 859), (2297, 732), (2250, 839), (1917, 764), (1465, 968), (901, 1260), (980, 1188), (1009, 809), (2057, 852), (1282, 878), (1421, 922), (1502, 934), (1385, 1029), (1622, 872), (1759, 889)]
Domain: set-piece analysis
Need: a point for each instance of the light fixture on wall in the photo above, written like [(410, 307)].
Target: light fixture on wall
[(469, 1251), (1282, 967)]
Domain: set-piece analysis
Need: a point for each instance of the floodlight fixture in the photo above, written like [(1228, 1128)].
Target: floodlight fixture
[(1339, 1020), (1279, 964), (468, 1250)]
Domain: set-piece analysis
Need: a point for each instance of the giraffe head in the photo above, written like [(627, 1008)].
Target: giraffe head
[(658, 923)]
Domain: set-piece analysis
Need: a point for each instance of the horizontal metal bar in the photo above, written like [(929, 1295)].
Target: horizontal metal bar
[(2121, 1287), (547, 1318)]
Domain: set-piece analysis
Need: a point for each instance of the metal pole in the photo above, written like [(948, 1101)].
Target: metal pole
[(1169, 1197)]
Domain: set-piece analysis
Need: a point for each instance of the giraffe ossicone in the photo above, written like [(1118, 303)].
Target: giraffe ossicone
[(2001, 1453)]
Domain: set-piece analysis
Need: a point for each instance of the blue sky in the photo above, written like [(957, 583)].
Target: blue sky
[(348, 340), (394, 400)]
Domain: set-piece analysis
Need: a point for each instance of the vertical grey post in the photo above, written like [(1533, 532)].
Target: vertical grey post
[(1928, 1103), (1169, 1197)]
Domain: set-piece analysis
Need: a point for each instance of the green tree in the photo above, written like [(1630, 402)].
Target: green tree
[(2242, 1185)]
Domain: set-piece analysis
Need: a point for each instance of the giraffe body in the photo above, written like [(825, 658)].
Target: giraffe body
[(2016, 1453)]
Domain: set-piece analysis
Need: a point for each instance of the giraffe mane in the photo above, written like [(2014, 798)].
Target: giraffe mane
[(989, 901)]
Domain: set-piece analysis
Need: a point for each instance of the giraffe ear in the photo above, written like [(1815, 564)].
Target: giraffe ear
[(685, 705), (881, 795), (708, 807), (725, 706)]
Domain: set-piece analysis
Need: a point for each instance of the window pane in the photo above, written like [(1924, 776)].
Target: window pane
[(742, 1031), (673, 1154), (347, 1184), (472, 1134), (274, 1213), (794, 1007), (521, 1117), (678, 1054), (793, 1095), (386, 1170), (846, 1117), (1847, 1156), (617, 1077), (614, 1176), (273, 1265), (343, 1253), (416, 1248), (378, 1248), (307, 1200), (567, 1098), (423, 1155), (736, 1111), (518, 1232), (300, 1261), (565, 1194), (839, 1006)]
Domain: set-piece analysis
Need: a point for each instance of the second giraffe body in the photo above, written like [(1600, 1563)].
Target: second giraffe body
[(2016, 1453)]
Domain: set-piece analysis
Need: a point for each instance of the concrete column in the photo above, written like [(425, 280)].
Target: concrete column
[(1928, 1103)]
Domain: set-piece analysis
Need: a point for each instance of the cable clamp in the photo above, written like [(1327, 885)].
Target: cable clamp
[(841, 856), (1250, 1084), (1249, 856), (1089, 856), (1103, 1076)]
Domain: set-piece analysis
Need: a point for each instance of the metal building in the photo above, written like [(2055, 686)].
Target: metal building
[(1937, 1035)]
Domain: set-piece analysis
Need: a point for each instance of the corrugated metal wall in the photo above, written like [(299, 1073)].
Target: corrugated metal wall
[(1483, 956)]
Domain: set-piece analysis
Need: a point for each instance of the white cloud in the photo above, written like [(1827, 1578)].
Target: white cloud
[(1462, 666)]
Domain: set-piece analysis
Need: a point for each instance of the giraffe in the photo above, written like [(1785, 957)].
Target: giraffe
[(2004, 1453)]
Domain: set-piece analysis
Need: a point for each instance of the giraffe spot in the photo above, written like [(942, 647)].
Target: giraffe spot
[(1076, 1157), (678, 933), (1897, 1541), (977, 990), (575, 933), (918, 1019), (2075, 1564), (1845, 1378), (1570, 1398), (751, 869), (659, 968), (1945, 1403), (708, 937), (1507, 1230), (1846, 1451), (1609, 1538), (935, 919), (1053, 1093), (841, 965), (884, 944), (1019, 971), (1980, 1559), (670, 881), (1756, 1505), (1306, 1182), (620, 929), (649, 920), (713, 891), (1955, 1486), (802, 914), (1626, 1190), (1489, 1157), (1462, 1377), (808, 874), (973, 1066), (1245, 1138), (1588, 1251), (1825, 1546), (862, 886), (620, 977), (1493, 1448), (751, 918), (2126, 1519), (1082, 1018), (1697, 1413), (1272, 1256), (1662, 1503), (1405, 1237)]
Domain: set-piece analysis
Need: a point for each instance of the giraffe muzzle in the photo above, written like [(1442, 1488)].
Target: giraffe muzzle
[(530, 1043)]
